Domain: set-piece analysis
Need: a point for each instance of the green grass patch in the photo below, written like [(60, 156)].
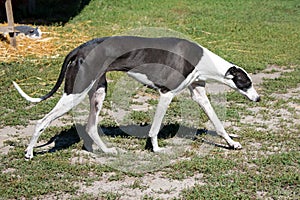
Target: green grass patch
[(282, 84), (50, 173), (230, 180)]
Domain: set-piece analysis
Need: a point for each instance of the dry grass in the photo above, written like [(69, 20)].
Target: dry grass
[(55, 42)]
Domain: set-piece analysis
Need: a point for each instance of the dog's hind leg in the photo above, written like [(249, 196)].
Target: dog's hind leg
[(96, 102), (199, 95), (65, 104), (164, 101)]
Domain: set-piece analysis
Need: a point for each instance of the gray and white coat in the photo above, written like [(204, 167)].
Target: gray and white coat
[(166, 64)]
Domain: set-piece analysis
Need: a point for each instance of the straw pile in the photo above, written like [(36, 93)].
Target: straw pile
[(55, 42)]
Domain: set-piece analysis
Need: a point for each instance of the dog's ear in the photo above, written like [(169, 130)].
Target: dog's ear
[(231, 73)]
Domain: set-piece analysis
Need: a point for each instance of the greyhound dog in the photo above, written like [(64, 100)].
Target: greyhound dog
[(166, 64)]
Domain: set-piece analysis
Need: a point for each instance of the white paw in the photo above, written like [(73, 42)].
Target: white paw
[(236, 145), (111, 150), (29, 154), (121, 150), (157, 149), (161, 150)]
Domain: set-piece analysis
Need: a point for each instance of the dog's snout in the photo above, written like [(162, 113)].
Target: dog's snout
[(257, 99)]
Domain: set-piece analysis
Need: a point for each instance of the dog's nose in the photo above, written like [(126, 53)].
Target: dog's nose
[(258, 99)]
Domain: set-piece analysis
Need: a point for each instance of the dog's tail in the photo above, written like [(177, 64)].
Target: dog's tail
[(59, 81)]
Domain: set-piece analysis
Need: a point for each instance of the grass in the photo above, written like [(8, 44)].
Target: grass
[(283, 83), (241, 181), (252, 34)]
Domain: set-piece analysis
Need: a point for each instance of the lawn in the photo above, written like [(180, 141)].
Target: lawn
[(260, 36)]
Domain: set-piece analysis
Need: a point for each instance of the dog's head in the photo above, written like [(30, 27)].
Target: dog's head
[(238, 79)]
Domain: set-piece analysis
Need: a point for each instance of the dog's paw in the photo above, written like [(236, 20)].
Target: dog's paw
[(235, 145), (111, 150), (121, 150), (161, 150), (29, 154)]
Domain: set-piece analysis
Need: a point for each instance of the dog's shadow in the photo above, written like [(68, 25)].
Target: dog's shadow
[(73, 135)]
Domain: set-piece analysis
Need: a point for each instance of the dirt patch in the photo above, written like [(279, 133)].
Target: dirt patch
[(266, 119), (154, 185)]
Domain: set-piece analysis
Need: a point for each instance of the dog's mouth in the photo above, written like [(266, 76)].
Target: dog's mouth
[(251, 94), (257, 99)]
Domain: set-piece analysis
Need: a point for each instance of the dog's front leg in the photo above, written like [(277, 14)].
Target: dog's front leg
[(164, 101), (199, 95)]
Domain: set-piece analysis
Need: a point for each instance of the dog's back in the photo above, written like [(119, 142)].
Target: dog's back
[(164, 62)]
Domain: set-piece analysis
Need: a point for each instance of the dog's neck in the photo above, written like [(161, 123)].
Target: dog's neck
[(212, 67)]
